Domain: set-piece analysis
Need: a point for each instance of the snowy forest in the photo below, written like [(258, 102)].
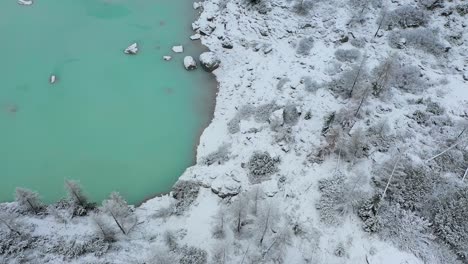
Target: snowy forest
[(340, 135)]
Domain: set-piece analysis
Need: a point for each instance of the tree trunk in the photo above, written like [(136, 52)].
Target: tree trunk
[(118, 224)]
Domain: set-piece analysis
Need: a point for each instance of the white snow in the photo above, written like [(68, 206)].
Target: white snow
[(178, 49)]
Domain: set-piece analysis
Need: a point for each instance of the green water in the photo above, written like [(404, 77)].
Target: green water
[(112, 121)]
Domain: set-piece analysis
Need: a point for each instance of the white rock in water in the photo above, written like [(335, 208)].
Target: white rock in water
[(195, 37), (209, 61), (52, 79), (25, 2), (178, 49), (167, 58), (189, 63), (132, 49)]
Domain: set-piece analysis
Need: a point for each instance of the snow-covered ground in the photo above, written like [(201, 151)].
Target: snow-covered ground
[(277, 84)]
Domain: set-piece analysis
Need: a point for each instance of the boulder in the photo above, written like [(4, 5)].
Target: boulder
[(227, 44), (132, 49), (189, 63), (178, 49), (167, 58), (52, 79), (209, 61), (25, 2), (225, 187), (195, 37)]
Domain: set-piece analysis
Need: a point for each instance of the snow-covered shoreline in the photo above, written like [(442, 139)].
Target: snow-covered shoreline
[(287, 134)]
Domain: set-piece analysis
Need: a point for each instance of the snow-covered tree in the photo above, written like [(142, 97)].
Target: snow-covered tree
[(120, 211), (76, 195), (28, 200)]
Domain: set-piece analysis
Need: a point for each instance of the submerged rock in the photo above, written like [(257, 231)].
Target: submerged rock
[(25, 2), (167, 58), (53, 79), (132, 49), (189, 63), (209, 61), (178, 49)]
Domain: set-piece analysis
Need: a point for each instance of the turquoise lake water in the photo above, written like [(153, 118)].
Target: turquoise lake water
[(112, 121)]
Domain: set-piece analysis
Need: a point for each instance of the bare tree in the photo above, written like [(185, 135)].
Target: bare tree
[(268, 217), (239, 212), (29, 200), (255, 195), (220, 223), (75, 193), (120, 211), (382, 20), (9, 221)]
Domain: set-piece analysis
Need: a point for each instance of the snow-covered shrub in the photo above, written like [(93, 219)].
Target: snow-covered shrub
[(170, 240), (303, 7), (347, 55), (405, 229), (431, 4), (74, 248), (28, 200), (244, 112), (310, 85), (379, 136), (406, 17), (449, 215), (354, 146), (340, 250), (162, 257), (421, 38), (291, 114), (261, 165), (305, 45), (420, 117), (435, 108), (185, 192), (411, 185), (454, 160), (165, 212), (219, 156), (338, 198), (462, 9), (367, 211), (382, 76), (192, 255), (12, 243), (358, 42), (263, 112), (407, 78)]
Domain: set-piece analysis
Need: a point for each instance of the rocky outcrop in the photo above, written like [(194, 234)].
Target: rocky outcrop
[(209, 61)]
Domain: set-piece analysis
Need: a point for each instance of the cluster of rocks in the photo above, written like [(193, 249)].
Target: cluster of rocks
[(208, 60)]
